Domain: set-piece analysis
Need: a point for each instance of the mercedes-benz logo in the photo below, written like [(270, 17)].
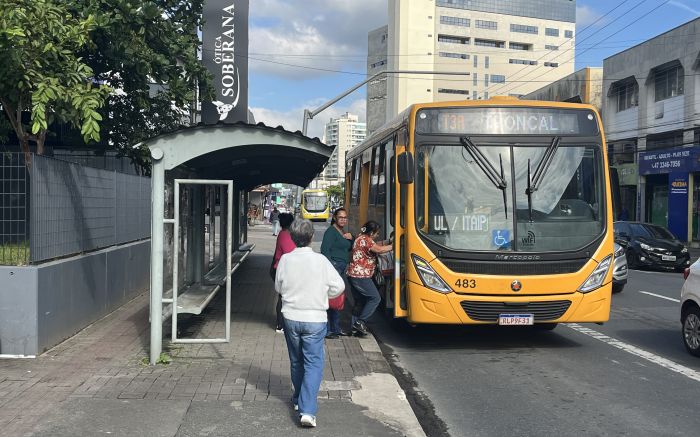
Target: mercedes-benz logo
[(516, 286)]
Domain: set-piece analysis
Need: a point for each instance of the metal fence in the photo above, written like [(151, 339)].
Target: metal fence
[(14, 209), (77, 209)]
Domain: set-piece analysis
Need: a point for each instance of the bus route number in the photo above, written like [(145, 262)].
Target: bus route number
[(465, 283)]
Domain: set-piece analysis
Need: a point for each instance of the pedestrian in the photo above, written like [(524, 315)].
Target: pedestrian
[(363, 262), (336, 247), (306, 280), (284, 245), (275, 220)]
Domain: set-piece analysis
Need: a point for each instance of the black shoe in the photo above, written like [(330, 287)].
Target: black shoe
[(359, 328), (345, 334), (332, 336)]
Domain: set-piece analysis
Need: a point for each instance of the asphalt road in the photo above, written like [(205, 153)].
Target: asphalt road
[(631, 376)]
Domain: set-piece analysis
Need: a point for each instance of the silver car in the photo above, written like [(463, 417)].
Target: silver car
[(619, 269)]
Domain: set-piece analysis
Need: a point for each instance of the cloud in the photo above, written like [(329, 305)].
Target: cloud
[(585, 16), (312, 33), (684, 6), (291, 119)]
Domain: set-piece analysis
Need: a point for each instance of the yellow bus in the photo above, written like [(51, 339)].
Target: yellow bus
[(314, 205), (501, 211)]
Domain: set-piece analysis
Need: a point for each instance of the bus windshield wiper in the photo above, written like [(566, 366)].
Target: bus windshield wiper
[(498, 180), (533, 182)]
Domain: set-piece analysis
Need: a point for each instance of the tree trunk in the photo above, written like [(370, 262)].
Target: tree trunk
[(40, 142), (15, 117)]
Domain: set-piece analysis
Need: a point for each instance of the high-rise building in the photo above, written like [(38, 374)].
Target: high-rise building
[(508, 47), (344, 132)]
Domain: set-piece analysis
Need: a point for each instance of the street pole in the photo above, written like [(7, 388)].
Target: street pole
[(308, 115)]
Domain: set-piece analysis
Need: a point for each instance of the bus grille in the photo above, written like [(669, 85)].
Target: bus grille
[(514, 268), (489, 311)]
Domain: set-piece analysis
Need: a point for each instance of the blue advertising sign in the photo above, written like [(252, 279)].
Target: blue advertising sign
[(679, 160), (678, 205)]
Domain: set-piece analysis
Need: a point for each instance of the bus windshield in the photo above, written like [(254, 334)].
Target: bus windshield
[(460, 207), (315, 202)]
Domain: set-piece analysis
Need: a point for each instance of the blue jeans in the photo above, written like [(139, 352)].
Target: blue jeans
[(305, 347), (366, 296), (333, 315)]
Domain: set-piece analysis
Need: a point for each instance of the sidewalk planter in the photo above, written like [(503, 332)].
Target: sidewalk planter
[(42, 305)]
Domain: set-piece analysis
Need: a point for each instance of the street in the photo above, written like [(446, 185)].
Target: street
[(631, 376)]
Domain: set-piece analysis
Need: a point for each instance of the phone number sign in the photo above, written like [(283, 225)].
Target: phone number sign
[(670, 160)]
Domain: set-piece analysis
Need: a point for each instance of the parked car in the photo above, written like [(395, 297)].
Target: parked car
[(648, 245), (690, 309), (619, 269)]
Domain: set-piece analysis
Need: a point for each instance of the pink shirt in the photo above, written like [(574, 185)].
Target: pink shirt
[(284, 245)]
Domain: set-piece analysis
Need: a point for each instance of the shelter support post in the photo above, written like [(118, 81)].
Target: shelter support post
[(157, 228)]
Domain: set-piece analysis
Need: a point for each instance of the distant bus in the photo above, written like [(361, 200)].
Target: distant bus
[(501, 211), (314, 205)]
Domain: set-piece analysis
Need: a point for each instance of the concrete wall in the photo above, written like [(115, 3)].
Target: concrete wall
[(377, 43), (42, 305), (586, 84)]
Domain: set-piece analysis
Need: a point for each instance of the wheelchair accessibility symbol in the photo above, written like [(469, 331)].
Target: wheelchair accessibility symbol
[(501, 238)]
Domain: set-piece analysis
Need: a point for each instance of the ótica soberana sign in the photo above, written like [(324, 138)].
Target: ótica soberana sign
[(225, 54)]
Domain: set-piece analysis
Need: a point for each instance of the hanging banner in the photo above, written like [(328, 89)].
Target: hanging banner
[(678, 205), (225, 54)]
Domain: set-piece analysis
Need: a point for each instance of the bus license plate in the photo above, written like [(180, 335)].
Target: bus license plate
[(668, 257), (516, 319)]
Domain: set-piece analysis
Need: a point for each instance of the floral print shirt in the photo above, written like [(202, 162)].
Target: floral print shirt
[(362, 260)]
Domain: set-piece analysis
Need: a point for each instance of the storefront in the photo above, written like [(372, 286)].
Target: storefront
[(628, 176), (672, 193)]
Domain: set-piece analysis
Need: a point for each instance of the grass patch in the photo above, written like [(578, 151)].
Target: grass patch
[(14, 254), (164, 359)]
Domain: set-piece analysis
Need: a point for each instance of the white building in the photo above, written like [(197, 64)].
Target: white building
[(344, 133), (651, 115), (508, 47)]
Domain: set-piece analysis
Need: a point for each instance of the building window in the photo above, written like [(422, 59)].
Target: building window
[(553, 48), (519, 46), (668, 83), (378, 64), (474, 78), (568, 34), (551, 64), (473, 95), (476, 59), (486, 95), (453, 39), (483, 24), (454, 21), (489, 43), (521, 28), (522, 62), (551, 32), (486, 80), (665, 140), (626, 95), (452, 91), (486, 62), (498, 78), (453, 55)]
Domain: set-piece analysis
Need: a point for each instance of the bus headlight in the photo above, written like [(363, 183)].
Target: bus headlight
[(430, 279), (595, 279)]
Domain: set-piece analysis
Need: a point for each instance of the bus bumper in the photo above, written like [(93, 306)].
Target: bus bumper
[(428, 306)]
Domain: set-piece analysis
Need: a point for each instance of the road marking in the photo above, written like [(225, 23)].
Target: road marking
[(660, 296), (653, 358)]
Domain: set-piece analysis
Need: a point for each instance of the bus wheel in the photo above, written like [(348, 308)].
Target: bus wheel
[(546, 326)]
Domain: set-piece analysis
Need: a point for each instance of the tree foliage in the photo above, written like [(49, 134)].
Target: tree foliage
[(121, 71), (336, 192), (41, 70)]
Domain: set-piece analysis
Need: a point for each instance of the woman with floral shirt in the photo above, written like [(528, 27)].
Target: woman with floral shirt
[(363, 261)]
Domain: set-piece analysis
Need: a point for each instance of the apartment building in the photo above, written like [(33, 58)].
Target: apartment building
[(509, 47), (344, 132), (582, 86), (651, 113)]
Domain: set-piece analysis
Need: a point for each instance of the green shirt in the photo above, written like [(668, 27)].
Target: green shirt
[(334, 246)]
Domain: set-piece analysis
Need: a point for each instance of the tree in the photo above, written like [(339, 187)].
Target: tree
[(41, 71), (336, 192)]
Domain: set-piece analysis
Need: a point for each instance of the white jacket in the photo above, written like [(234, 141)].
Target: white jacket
[(305, 280)]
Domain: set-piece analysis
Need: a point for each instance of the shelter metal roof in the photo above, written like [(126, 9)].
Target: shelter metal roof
[(249, 154)]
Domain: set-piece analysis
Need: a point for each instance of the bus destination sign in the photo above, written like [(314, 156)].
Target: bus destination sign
[(507, 121)]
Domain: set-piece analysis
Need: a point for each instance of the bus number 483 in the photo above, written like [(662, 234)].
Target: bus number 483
[(465, 283)]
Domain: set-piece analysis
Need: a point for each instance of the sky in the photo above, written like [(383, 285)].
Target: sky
[(305, 52)]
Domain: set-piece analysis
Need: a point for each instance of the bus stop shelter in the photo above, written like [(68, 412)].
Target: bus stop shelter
[(202, 173)]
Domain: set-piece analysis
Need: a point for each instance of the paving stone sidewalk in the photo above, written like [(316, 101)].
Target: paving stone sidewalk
[(96, 382)]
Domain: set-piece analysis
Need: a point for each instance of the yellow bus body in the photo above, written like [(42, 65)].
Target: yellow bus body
[(314, 215), (408, 297)]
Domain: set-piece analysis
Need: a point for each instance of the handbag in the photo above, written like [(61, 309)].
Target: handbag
[(337, 303), (385, 263), (378, 277)]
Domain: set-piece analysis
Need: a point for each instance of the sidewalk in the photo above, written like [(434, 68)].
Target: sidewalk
[(94, 383)]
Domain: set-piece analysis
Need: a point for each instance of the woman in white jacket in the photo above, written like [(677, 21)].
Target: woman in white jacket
[(306, 280)]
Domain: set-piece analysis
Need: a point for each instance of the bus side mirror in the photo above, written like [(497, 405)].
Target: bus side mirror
[(405, 168)]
